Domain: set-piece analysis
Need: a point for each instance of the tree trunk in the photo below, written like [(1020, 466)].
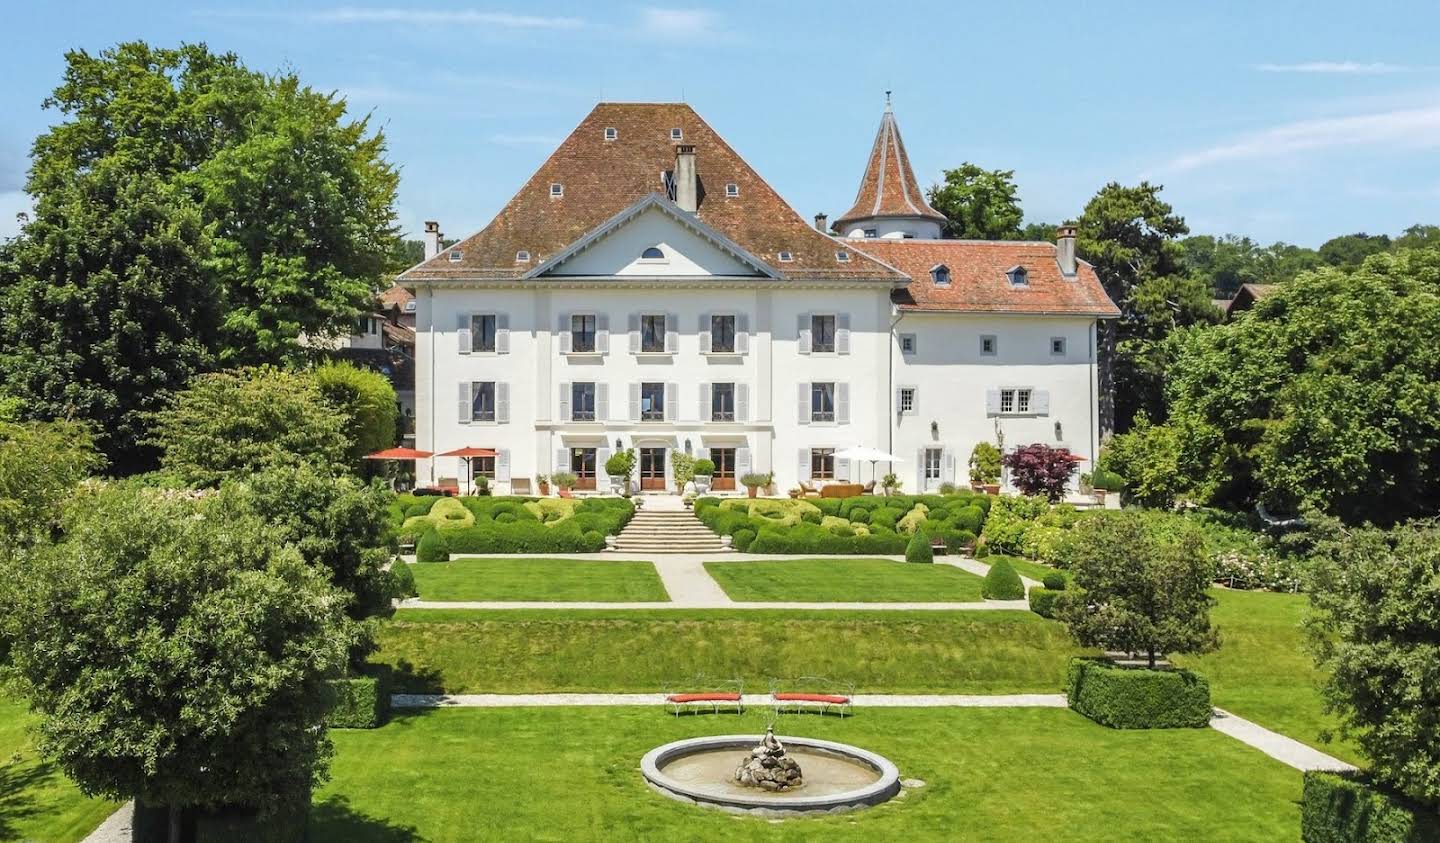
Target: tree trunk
[(1152, 659)]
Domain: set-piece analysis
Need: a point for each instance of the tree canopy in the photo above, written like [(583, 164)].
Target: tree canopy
[(41, 463), (367, 399), (978, 204)]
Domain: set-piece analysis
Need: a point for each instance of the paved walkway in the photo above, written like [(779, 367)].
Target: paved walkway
[(1277, 746), (757, 700)]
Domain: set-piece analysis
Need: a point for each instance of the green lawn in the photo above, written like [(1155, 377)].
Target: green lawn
[(37, 802), (531, 651), (539, 579), (844, 581), (1026, 568), (570, 774)]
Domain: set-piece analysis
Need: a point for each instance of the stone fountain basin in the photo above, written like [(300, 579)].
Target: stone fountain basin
[(845, 778)]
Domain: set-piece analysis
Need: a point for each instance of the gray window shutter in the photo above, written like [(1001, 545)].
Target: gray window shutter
[(602, 333), (742, 462), (804, 464), (602, 402), (899, 407), (565, 402), (947, 460), (602, 477), (1040, 402), (672, 333), (502, 403), (842, 470), (564, 332), (502, 333), (842, 333), (634, 402), (462, 333), (804, 408), (467, 398), (502, 465), (705, 413), (562, 459), (634, 333), (704, 333), (742, 334), (742, 402), (804, 334), (920, 472), (672, 402), (915, 400), (842, 403), (992, 402)]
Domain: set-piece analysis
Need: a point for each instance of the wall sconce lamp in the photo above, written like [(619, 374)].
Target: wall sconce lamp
[(687, 446), (619, 446), (934, 428), (1059, 431)]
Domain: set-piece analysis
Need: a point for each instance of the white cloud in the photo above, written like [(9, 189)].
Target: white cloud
[(415, 17), (679, 23), (1409, 128), (525, 140), (1354, 67)]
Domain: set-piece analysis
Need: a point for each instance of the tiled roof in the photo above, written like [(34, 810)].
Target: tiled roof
[(603, 177), (979, 280), (399, 334), (395, 297), (888, 187)]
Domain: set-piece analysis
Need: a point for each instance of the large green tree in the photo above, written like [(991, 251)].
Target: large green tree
[(1224, 263), (41, 463), (189, 213), (1349, 250), (367, 399), (978, 204)]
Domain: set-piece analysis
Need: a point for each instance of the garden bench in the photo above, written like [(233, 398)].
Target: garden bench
[(842, 490), (696, 697), (826, 696)]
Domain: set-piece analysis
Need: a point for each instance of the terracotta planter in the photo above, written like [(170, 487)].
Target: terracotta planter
[(753, 490), (990, 488), (544, 490), (565, 493)]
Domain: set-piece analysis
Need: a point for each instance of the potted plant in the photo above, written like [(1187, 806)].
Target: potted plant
[(682, 468), (985, 468), (566, 481), (890, 484), (755, 482), (703, 470), (543, 481), (620, 467), (482, 486), (1103, 482)]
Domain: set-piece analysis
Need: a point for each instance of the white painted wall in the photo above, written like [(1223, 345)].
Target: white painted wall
[(687, 254), (895, 228)]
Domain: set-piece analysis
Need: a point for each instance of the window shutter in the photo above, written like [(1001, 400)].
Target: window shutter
[(842, 470), (948, 461), (602, 333), (742, 462), (602, 402), (564, 332), (672, 402), (804, 464), (920, 472), (462, 333), (804, 403), (634, 402), (565, 402), (602, 477), (742, 334), (842, 403), (842, 333), (915, 400), (705, 410), (804, 334), (992, 402), (899, 406), (467, 398), (742, 402), (672, 333), (502, 465), (562, 459), (704, 334), (635, 335), (502, 333), (669, 463), (1040, 402), (502, 403)]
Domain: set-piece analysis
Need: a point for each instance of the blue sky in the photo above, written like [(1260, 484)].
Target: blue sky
[(1290, 121)]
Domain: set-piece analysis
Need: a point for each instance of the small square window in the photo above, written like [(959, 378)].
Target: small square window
[(842, 257), (557, 190), (907, 343), (676, 134), (611, 133), (522, 256), (455, 256), (786, 257), (732, 189), (907, 399), (409, 307), (1057, 346), (988, 344)]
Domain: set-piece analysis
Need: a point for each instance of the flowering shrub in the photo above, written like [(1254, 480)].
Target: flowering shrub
[(1039, 469), (1257, 569)]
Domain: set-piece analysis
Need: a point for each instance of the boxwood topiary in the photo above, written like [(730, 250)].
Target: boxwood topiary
[(919, 550), (431, 547), (403, 579), (1136, 698), (1043, 600), (1054, 581), (360, 703), (1349, 808), (1002, 583), (741, 539)]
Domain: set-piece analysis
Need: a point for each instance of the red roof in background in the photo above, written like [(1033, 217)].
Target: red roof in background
[(978, 277), (888, 187), (395, 297)]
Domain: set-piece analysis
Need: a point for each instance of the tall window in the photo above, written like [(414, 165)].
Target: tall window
[(822, 333), (582, 402), (652, 402), (932, 464), (1015, 400), (582, 332), (907, 399), (722, 402), (482, 403), (482, 332), (482, 467), (722, 334), (822, 463), (822, 402), (652, 332)]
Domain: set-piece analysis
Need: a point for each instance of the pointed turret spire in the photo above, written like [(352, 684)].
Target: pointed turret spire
[(889, 202)]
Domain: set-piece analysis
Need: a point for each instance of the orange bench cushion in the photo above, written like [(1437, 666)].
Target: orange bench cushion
[(820, 698), (684, 698)]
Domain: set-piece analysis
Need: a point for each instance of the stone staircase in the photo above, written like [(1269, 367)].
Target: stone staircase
[(667, 531)]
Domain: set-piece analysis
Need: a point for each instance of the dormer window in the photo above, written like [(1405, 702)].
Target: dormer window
[(654, 253), (732, 189), (842, 256), (557, 190), (455, 256), (522, 256), (786, 257), (611, 133), (940, 275), (872, 233), (1018, 276), (676, 134)]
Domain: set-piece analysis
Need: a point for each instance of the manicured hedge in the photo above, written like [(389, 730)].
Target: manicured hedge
[(530, 525), (1002, 583), (431, 548), (403, 579), (360, 703), (1346, 808), (1136, 698), (865, 524), (919, 549), (1042, 601)]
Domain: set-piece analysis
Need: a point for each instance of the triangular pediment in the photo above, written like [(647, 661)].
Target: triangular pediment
[(653, 238)]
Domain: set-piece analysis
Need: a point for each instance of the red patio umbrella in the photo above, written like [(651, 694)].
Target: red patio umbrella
[(409, 454), (467, 453)]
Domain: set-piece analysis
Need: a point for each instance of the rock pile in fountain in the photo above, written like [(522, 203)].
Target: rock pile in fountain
[(768, 767)]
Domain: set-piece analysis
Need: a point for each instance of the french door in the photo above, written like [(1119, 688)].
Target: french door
[(582, 465), (724, 479), (652, 469)]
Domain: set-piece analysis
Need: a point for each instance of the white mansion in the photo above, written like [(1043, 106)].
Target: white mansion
[(647, 289)]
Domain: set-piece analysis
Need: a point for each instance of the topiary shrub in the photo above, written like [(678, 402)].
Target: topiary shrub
[(360, 703), (859, 516), (431, 548), (403, 580), (1054, 581), (982, 551), (505, 518), (919, 550), (444, 514), (886, 518), (970, 517), (1042, 601), (741, 539), (913, 519), (1137, 698), (1349, 808), (1002, 583)]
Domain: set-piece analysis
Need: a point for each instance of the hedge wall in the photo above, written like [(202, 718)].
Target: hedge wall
[(360, 703), (1346, 808), (1134, 698), (866, 524), (1042, 601), (530, 525)]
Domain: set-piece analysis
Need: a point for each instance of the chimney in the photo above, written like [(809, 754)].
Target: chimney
[(1065, 249), (822, 223), (432, 239), (687, 188)]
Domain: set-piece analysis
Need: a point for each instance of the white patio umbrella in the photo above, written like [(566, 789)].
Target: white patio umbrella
[(870, 455)]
